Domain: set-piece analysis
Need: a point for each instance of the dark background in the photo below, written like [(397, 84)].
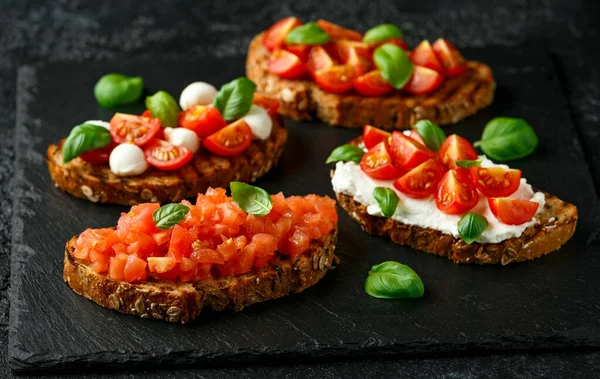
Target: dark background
[(78, 31)]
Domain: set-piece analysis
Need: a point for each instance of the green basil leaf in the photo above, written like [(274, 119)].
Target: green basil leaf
[(387, 200), (345, 153), (113, 90), (432, 134), (84, 137), (308, 34), (169, 215), (506, 138), (162, 105), (395, 66), (234, 99), (468, 163), (381, 33), (250, 199), (393, 280), (471, 226)]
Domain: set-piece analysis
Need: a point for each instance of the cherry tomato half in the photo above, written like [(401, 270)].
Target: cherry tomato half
[(406, 152), (336, 79), (394, 41), (233, 139), (274, 37), (372, 84), (164, 156), (300, 50), (455, 148), (496, 181), (131, 128), (456, 194), (285, 64), (512, 211), (204, 120), (99, 156), (421, 181), (372, 136), (377, 163), (423, 55), (423, 80), (339, 32), (318, 59), (453, 62), (343, 48)]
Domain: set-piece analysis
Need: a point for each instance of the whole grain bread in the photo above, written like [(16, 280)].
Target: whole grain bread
[(98, 184), (455, 99), (182, 302)]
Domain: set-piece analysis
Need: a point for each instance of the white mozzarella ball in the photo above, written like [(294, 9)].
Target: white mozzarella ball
[(127, 159), (183, 137), (101, 123), (197, 93), (259, 121)]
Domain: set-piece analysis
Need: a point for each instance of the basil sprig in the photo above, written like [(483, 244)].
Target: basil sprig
[(250, 199), (432, 135), (84, 137), (506, 138), (345, 153), (113, 90), (308, 34), (393, 280), (381, 33), (471, 226), (387, 200), (395, 66), (234, 99), (468, 163), (162, 105), (169, 215)]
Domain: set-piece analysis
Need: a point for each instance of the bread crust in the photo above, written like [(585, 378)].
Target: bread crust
[(97, 183), (182, 302), (455, 99)]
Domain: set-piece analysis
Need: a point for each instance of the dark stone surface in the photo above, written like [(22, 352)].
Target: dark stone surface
[(33, 31)]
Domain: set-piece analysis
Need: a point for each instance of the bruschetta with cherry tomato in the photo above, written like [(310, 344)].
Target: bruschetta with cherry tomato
[(348, 78)]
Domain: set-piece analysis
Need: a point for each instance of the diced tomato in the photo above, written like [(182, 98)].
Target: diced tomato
[(372, 136), (421, 181), (338, 32), (234, 139), (181, 243), (336, 79), (160, 264), (187, 264), (407, 153), (300, 50), (204, 120), (271, 104), (415, 135), (372, 84), (423, 55), (512, 211), (318, 60), (135, 269), (99, 241), (274, 37), (423, 80), (132, 128), (456, 194), (455, 148), (496, 181), (377, 163), (116, 267), (138, 219), (140, 243), (285, 64), (165, 156), (453, 62), (296, 243), (99, 156)]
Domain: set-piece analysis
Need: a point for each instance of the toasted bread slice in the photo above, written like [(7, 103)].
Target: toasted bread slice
[(456, 98), (98, 184), (182, 302)]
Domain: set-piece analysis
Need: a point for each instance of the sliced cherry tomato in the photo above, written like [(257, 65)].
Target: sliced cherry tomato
[(131, 128), (455, 148), (285, 64), (300, 50), (456, 194), (423, 55), (271, 104), (204, 120), (377, 163), (512, 211), (372, 84), (496, 181), (336, 79), (359, 64), (146, 114), (414, 135), (99, 156), (338, 32), (344, 47), (421, 181), (274, 37), (394, 41), (423, 80), (164, 156), (372, 136), (453, 62), (231, 140), (318, 59), (406, 152)]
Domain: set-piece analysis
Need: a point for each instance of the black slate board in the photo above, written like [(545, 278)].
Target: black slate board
[(549, 303)]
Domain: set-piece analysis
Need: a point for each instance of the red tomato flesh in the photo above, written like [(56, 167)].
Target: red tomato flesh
[(423, 55), (423, 80), (233, 139), (318, 60), (99, 156), (512, 211), (336, 79), (202, 119), (271, 104), (421, 181), (299, 50), (456, 194), (164, 156), (285, 64), (377, 163), (338, 32), (131, 128), (495, 181), (406, 152), (372, 136), (274, 37), (455, 148), (372, 84), (453, 62)]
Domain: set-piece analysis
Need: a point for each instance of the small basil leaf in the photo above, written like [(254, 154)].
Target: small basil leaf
[(468, 163), (345, 153), (471, 226), (506, 138), (234, 99), (308, 34), (169, 215), (162, 105), (387, 200), (113, 90), (395, 66), (432, 135), (84, 137), (381, 33), (250, 199), (393, 280)]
